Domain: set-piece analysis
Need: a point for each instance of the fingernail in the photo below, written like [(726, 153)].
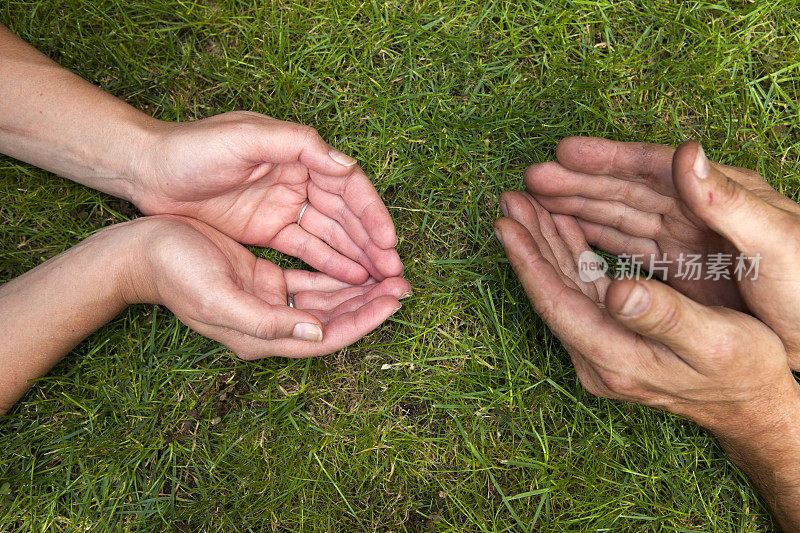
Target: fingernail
[(503, 208), (637, 301), (307, 332), (701, 165), (499, 237), (341, 158), (407, 294), (396, 309)]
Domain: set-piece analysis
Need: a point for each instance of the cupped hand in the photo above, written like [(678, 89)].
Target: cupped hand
[(642, 341), (218, 288), (250, 176), (647, 199)]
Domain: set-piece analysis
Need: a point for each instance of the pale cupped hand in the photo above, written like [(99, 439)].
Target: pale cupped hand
[(221, 290), (250, 176)]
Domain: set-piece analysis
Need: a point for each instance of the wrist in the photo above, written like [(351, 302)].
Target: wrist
[(146, 134), (141, 272), (741, 422), (761, 425), (129, 267), (766, 446)]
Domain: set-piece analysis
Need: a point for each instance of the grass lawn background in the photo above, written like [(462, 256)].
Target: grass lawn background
[(462, 413)]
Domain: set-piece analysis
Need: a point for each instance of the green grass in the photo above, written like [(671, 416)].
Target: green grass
[(480, 423)]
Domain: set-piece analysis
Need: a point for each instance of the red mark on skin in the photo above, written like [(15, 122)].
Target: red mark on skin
[(710, 197)]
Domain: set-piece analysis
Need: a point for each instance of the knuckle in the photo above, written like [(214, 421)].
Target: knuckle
[(732, 195), (330, 231), (204, 307), (362, 257), (667, 323), (307, 133), (343, 213), (620, 384), (301, 248), (267, 328), (596, 355), (619, 219), (724, 344), (547, 308), (535, 174), (647, 155), (368, 207), (626, 193)]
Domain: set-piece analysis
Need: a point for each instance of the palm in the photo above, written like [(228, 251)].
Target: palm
[(627, 203), (681, 236), (664, 367), (221, 290), (250, 177), (252, 205)]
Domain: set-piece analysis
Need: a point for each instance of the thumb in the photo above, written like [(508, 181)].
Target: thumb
[(305, 144), (655, 310), (248, 314), (750, 223)]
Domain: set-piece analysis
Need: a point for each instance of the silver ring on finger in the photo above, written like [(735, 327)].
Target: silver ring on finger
[(290, 300), (302, 212)]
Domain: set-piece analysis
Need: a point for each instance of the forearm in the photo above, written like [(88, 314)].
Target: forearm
[(47, 311), (53, 119)]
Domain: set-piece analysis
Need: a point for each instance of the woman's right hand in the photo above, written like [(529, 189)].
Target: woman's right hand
[(219, 289)]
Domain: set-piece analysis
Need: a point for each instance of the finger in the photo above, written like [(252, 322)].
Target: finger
[(305, 280), (375, 260), (575, 240), (586, 331), (354, 297), (266, 284), (297, 242), (750, 223), (615, 242), (645, 163), (252, 316), (346, 328), (552, 179), (518, 206), (363, 201), (332, 233), (614, 214), (540, 225), (285, 142), (659, 312), (334, 207), (341, 331), (573, 317)]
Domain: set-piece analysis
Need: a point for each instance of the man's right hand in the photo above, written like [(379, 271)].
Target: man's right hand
[(647, 199)]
